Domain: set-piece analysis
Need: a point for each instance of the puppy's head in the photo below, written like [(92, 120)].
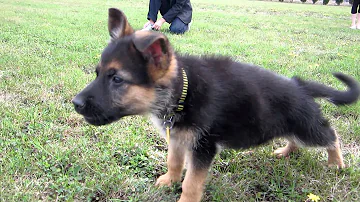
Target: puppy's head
[(131, 68)]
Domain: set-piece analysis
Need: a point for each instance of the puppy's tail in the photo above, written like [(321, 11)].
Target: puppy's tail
[(351, 95)]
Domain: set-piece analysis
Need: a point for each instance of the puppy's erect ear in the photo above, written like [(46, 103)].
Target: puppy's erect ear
[(118, 25), (156, 49)]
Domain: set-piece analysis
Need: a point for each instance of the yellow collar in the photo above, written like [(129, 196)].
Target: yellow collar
[(183, 93), (169, 119)]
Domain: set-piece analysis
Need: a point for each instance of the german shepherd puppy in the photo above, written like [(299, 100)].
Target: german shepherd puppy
[(227, 104)]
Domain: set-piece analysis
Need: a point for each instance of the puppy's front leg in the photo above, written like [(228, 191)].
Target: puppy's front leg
[(175, 163), (199, 161)]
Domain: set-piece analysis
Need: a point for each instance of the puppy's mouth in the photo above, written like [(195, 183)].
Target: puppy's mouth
[(99, 120)]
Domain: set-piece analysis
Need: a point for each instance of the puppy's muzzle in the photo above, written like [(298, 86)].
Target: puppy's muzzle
[(79, 103)]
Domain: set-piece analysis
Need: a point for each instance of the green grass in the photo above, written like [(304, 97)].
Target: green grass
[(48, 52)]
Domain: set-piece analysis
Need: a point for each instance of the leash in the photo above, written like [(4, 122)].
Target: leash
[(169, 119)]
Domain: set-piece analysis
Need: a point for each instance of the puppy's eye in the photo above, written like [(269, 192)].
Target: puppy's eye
[(117, 79)]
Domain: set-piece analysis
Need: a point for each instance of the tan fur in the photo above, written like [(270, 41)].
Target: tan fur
[(118, 66), (128, 29), (285, 151), (183, 138), (166, 71), (170, 74), (125, 75), (138, 99), (335, 155), (175, 164), (155, 72), (193, 184), (114, 64), (161, 75), (141, 33)]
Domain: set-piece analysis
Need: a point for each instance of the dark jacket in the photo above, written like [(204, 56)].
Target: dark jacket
[(170, 9)]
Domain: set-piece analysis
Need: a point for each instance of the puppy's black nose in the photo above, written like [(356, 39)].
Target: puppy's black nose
[(78, 102)]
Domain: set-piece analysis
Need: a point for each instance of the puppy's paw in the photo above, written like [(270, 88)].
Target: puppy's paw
[(335, 157), (194, 197), (337, 163), (183, 199), (165, 180), (282, 152), (285, 151)]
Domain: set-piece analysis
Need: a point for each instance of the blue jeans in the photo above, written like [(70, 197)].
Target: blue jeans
[(178, 27)]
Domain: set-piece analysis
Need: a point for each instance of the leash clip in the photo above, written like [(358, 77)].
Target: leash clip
[(168, 121), (168, 124)]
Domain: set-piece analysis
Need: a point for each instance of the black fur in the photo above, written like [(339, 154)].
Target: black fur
[(337, 97), (238, 105), (241, 105)]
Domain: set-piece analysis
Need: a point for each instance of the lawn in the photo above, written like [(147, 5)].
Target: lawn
[(48, 52)]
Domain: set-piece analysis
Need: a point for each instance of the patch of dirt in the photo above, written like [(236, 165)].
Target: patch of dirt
[(99, 195), (74, 120), (352, 148), (7, 97), (121, 195)]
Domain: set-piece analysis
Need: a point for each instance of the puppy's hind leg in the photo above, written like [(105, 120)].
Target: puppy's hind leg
[(334, 153), (327, 137), (285, 151), (323, 136)]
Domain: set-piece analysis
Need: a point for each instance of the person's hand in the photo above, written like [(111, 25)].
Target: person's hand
[(150, 22), (158, 23)]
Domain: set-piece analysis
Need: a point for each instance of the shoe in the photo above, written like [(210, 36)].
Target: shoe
[(149, 27), (353, 27)]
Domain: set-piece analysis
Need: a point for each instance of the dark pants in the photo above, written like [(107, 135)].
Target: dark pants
[(177, 26), (355, 6)]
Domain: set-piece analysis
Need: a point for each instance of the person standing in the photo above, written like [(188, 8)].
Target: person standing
[(355, 11), (178, 13)]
